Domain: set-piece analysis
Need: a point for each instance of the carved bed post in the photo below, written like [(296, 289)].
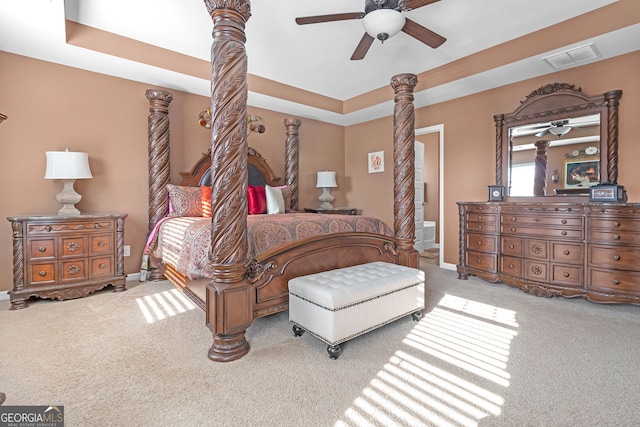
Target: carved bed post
[(404, 168), (540, 176), (158, 123), (229, 309), (292, 157)]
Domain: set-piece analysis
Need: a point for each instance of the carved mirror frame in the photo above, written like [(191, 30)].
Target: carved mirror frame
[(558, 101)]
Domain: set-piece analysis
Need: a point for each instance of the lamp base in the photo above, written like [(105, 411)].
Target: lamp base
[(326, 198), (68, 197)]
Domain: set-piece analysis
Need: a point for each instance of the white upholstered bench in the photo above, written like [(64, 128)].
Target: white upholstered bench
[(341, 304)]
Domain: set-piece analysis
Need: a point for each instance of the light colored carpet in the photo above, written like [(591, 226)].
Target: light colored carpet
[(484, 354)]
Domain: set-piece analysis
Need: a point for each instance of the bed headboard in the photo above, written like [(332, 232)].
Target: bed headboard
[(260, 173)]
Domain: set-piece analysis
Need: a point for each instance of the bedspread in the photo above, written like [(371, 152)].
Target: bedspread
[(185, 242)]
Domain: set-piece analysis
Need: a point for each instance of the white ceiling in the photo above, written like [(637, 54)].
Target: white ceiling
[(311, 57)]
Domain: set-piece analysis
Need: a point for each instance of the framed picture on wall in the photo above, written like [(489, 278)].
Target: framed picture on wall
[(376, 162), (581, 173)]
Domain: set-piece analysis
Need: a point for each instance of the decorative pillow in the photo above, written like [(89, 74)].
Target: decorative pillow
[(205, 192), (185, 201), (275, 201), (256, 199)]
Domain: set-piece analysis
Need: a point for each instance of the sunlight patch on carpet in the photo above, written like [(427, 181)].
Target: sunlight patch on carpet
[(419, 385), (162, 305)]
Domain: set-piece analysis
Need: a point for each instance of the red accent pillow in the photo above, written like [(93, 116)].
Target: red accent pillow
[(256, 199), (205, 192)]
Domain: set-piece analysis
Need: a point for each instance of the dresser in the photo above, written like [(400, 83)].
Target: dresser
[(65, 257), (589, 250)]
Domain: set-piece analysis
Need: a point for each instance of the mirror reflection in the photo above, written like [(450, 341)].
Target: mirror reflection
[(558, 157)]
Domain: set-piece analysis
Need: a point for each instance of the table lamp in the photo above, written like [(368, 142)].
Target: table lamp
[(67, 166), (326, 180)]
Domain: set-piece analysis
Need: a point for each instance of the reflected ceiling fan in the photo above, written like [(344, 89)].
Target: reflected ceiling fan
[(383, 19), (558, 128)]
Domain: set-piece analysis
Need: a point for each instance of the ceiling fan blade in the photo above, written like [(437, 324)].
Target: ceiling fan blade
[(414, 4), (422, 34), (362, 48), (542, 133), (329, 18)]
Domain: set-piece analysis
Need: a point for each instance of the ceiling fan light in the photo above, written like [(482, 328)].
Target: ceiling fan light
[(560, 130), (383, 23)]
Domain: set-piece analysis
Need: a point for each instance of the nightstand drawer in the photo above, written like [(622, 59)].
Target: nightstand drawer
[(39, 249), (101, 244), (42, 274), (73, 269), (73, 246), (102, 266)]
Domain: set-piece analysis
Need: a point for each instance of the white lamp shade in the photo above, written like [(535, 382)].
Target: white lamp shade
[(326, 179), (386, 21), (67, 165)]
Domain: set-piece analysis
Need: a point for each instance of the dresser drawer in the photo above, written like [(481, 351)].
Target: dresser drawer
[(627, 237), (555, 233), (101, 266), (482, 217), (481, 261), (482, 227), (613, 257), (42, 274), (100, 244), (534, 270), (482, 243), (538, 249), (614, 281), (41, 248), (568, 253), (566, 275), (72, 270), (73, 246), (512, 246), (511, 266), (539, 220), (614, 224)]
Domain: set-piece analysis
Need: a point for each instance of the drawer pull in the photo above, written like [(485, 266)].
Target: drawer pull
[(47, 228), (514, 219), (101, 243), (565, 274), (96, 225), (42, 274), (564, 221), (42, 249), (73, 269), (616, 257), (616, 224), (616, 281), (511, 266), (73, 246), (478, 261), (102, 266), (479, 217), (566, 252), (511, 246), (479, 227), (616, 237), (479, 243), (513, 229), (564, 233)]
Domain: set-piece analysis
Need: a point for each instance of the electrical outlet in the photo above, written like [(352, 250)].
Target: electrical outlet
[(127, 250)]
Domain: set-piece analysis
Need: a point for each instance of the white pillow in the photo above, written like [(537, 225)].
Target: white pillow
[(275, 201)]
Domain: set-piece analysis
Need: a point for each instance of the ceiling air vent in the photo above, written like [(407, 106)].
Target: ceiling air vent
[(576, 56)]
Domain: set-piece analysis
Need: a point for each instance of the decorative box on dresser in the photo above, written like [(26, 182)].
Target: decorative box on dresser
[(66, 257), (554, 249)]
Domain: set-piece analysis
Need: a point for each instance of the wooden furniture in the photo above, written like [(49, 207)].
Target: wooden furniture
[(586, 250), (338, 305), (552, 102), (335, 211), (243, 289), (65, 257)]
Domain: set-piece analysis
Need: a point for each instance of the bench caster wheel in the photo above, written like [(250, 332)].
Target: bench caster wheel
[(297, 331), (334, 351), (416, 315)]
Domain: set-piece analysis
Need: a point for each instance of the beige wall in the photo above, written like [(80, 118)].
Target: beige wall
[(51, 107)]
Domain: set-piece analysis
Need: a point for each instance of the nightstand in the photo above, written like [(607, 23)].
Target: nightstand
[(66, 257), (338, 211)]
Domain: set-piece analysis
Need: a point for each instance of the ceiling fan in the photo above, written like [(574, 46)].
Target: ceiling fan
[(383, 19), (558, 128)]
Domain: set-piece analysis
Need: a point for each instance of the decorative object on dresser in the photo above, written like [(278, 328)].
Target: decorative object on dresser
[(68, 166), (335, 211), (68, 257), (552, 249), (496, 192), (326, 181)]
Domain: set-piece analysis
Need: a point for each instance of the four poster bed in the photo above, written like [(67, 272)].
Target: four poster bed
[(240, 283)]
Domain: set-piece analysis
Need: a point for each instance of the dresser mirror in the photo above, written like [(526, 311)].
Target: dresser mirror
[(567, 140)]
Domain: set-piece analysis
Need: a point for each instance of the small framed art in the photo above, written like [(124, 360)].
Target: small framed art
[(376, 162), (496, 193)]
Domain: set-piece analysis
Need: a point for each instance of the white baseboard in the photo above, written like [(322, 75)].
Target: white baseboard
[(133, 277), (4, 295)]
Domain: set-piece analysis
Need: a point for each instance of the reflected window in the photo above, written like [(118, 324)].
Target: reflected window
[(522, 177)]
